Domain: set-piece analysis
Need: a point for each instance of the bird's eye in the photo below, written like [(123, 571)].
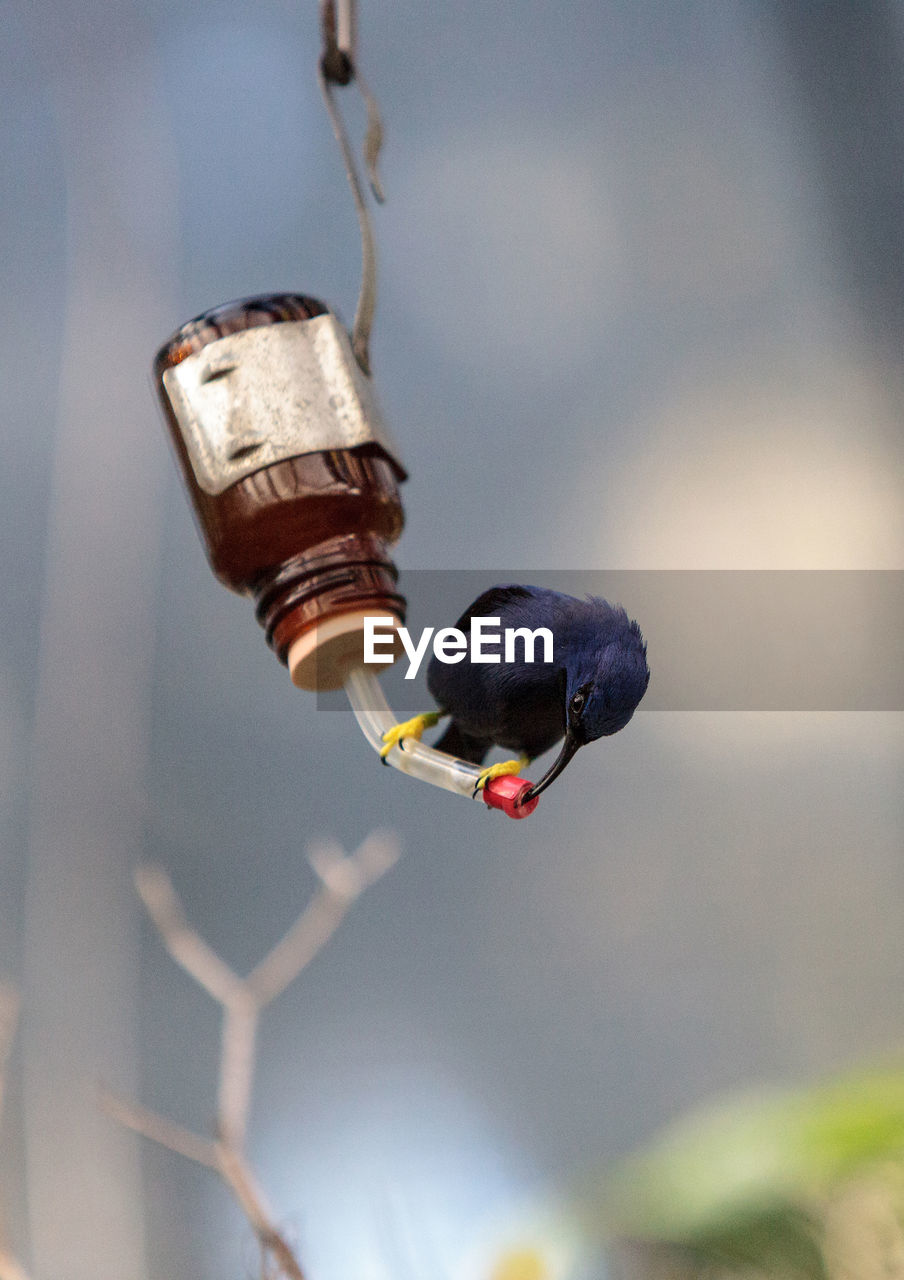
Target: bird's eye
[(577, 704)]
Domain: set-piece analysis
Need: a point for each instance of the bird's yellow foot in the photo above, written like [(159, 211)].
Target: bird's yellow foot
[(500, 770), (408, 729)]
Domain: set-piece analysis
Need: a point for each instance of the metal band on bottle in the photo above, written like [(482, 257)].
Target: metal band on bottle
[(270, 393)]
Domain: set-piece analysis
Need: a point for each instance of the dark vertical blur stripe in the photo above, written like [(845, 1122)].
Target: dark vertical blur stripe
[(846, 63)]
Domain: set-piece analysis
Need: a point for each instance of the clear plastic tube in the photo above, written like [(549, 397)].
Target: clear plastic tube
[(375, 716)]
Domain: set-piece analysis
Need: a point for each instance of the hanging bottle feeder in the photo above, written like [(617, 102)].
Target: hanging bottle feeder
[(294, 478)]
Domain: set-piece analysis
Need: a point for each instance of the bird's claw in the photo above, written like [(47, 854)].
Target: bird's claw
[(412, 728), (500, 770)]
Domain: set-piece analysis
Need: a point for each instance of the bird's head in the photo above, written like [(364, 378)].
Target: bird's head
[(605, 677), (603, 691)]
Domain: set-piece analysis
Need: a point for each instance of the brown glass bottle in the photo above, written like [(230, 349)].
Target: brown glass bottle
[(305, 535)]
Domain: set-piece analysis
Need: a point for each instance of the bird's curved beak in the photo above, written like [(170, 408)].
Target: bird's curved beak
[(569, 747)]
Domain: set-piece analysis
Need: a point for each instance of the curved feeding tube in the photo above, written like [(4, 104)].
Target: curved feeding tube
[(375, 717)]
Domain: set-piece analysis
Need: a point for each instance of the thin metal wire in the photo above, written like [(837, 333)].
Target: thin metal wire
[(338, 66)]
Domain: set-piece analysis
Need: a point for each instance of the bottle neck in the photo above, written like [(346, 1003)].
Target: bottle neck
[(341, 575)]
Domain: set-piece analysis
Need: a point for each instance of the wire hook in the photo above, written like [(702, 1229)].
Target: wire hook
[(338, 66)]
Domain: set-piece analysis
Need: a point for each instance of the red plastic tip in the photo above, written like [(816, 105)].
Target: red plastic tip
[(506, 793)]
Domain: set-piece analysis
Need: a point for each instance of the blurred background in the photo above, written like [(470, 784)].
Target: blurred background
[(642, 306)]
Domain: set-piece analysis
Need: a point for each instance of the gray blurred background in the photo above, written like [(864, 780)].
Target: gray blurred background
[(641, 308)]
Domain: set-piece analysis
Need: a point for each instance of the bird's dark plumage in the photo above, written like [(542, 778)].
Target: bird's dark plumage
[(455, 742), (591, 688)]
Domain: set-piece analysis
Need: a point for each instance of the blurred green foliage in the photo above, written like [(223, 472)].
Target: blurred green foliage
[(803, 1184)]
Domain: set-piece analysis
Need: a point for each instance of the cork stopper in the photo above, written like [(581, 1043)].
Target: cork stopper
[(321, 657)]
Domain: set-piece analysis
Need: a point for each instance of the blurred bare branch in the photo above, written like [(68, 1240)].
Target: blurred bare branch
[(160, 1130), (10, 1269), (9, 1017), (343, 878)]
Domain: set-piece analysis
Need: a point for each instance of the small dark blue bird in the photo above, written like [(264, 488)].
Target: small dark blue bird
[(589, 690)]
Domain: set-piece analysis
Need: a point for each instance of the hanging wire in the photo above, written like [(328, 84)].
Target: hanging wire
[(338, 66)]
